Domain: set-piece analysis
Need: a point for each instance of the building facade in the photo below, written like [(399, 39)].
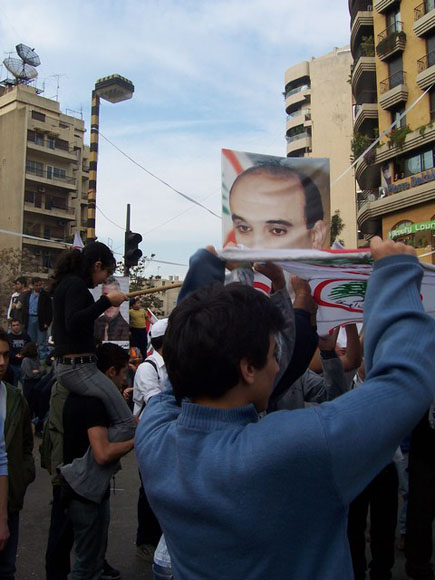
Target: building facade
[(318, 102), (393, 49), (44, 167)]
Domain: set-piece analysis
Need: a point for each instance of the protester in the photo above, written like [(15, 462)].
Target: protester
[(138, 326), (295, 474), (31, 372), (98, 426), (421, 500), (18, 439), (19, 286), (150, 380), (37, 314), (17, 340)]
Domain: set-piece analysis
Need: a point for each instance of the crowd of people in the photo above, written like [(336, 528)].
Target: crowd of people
[(264, 451)]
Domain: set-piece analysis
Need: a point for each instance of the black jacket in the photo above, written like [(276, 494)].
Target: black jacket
[(45, 310)]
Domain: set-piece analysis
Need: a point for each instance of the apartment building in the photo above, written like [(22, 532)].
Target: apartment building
[(44, 167), (393, 49), (318, 103)]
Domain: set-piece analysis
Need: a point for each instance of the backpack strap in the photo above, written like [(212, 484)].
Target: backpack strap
[(153, 364)]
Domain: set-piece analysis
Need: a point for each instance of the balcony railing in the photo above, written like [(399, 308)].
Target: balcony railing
[(361, 6), (49, 175), (423, 9), (366, 50), (369, 195), (50, 207), (426, 61), (51, 145), (298, 113), (297, 90), (302, 135), (367, 96), (391, 39), (398, 78)]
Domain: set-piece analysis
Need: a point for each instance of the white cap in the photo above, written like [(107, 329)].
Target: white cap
[(159, 328)]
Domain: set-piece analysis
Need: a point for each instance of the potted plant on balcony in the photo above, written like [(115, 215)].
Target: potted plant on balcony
[(397, 136)]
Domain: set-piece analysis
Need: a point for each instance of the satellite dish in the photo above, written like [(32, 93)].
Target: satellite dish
[(22, 72), (28, 55)]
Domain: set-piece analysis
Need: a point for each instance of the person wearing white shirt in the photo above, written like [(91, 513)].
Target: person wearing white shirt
[(149, 380), (151, 375)]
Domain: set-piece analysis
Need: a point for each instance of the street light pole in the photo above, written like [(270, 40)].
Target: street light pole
[(114, 89)]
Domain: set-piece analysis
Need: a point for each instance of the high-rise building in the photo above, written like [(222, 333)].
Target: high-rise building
[(318, 102), (44, 167), (393, 48)]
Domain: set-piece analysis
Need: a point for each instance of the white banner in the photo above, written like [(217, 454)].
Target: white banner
[(338, 280)]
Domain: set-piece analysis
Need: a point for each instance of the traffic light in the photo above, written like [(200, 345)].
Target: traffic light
[(132, 254)]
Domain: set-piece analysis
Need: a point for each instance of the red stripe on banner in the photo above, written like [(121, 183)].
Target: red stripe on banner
[(341, 251), (233, 160), (261, 286)]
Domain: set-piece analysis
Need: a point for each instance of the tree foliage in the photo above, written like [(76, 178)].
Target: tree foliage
[(14, 263), (337, 226)]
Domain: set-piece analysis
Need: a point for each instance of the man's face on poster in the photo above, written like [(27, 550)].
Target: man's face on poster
[(268, 211), (113, 310)]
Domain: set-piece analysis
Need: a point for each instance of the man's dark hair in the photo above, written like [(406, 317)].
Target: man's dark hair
[(157, 342), (36, 279), (111, 280), (30, 350), (313, 200), (22, 280), (210, 332), (111, 355)]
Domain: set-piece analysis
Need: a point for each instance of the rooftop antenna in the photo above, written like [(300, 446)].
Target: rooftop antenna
[(23, 68)]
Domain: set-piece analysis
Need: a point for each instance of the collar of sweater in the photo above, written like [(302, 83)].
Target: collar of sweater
[(209, 418)]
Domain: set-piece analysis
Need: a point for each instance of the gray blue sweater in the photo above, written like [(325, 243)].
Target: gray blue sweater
[(242, 498)]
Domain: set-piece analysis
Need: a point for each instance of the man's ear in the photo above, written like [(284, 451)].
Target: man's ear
[(318, 235), (247, 371), (97, 266), (110, 372)]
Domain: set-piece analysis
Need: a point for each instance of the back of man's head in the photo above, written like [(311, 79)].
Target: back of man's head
[(210, 332), (111, 355)]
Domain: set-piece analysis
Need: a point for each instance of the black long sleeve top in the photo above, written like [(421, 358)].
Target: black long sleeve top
[(74, 314)]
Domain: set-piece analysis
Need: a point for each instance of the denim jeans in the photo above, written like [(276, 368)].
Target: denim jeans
[(8, 556), (38, 336), (90, 523)]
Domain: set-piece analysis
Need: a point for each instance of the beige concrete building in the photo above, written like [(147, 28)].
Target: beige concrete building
[(43, 175), (393, 47), (318, 102), (168, 298)]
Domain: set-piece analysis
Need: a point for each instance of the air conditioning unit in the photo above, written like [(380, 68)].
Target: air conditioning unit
[(370, 8), (41, 189), (382, 192)]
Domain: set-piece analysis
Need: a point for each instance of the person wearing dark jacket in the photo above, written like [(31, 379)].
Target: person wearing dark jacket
[(37, 314), (21, 467)]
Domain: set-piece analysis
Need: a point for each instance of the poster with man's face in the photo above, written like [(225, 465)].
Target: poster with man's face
[(113, 325), (275, 202)]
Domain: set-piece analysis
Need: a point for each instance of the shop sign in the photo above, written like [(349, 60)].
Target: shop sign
[(414, 181), (412, 229)]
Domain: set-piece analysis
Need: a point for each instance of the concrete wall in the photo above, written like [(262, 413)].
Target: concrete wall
[(331, 113)]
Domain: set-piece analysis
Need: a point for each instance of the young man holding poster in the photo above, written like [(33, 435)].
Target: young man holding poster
[(242, 498)]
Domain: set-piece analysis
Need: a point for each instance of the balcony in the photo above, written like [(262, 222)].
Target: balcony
[(51, 210), (363, 22), (48, 177), (364, 64), (426, 71), (364, 113), (367, 171), (301, 117), (49, 147), (356, 6), (393, 90), (391, 41), (424, 18), (409, 193), (299, 142), (382, 6), (299, 95)]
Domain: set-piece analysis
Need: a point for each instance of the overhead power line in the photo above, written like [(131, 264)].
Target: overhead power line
[(191, 199)]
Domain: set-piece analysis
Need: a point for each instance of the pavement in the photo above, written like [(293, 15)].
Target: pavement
[(35, 520)]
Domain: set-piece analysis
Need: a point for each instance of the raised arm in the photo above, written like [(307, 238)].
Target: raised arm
[(365, 426)]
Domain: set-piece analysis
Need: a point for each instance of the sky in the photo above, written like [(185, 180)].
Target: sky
[(208, 74)]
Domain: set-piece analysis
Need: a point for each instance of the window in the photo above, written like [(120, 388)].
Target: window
[(394, 21), (432, 104), (38, 116), (55, 172), (416, 163), (395, 71), (29, 196), (51, 142), (395, 114), (39, 139), (34, 167)]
